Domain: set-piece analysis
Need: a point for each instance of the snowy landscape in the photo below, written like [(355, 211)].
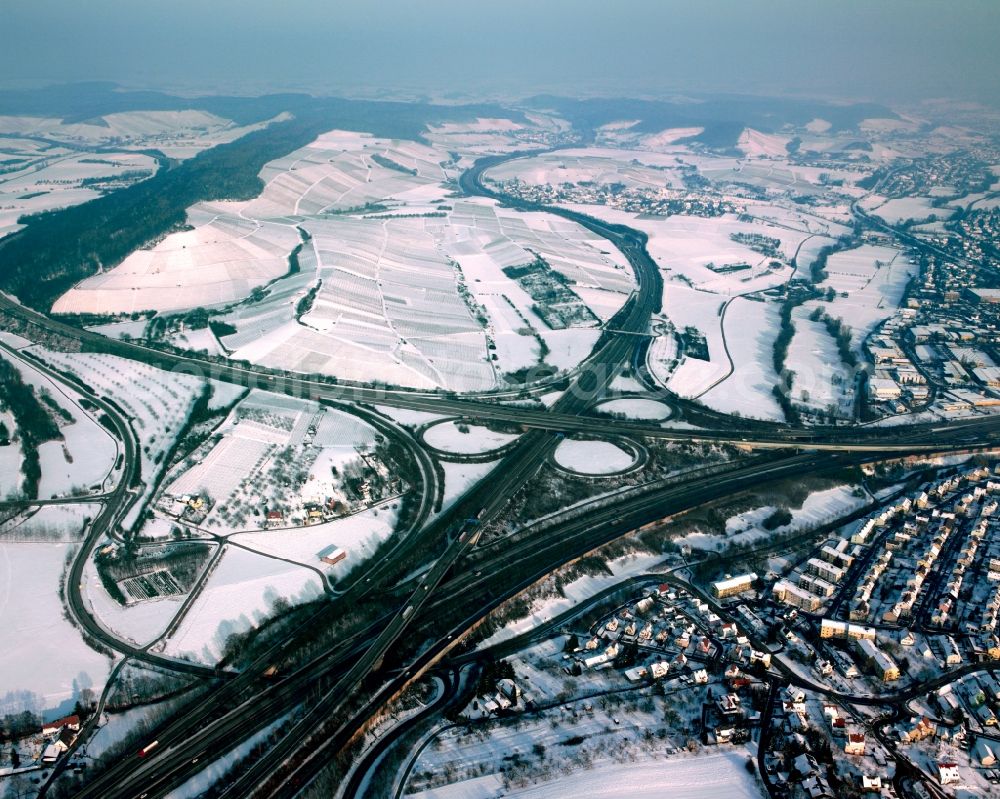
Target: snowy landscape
[(460, 446)]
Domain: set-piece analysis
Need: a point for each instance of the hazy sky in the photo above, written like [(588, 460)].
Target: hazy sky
[(876, 49)]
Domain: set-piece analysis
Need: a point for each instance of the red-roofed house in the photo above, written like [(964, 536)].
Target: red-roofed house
[(73, 722)]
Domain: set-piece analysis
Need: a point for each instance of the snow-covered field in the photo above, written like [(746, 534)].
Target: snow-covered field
[(60, 177), (157, 403), (357, 535), (702, 310), (750, 329), (485, 136), (178, 134), (707, 776), (83, 460), (902, 209), (873, 278), (44, 662), (762, 145), (51, 523), (114, 728), (822, 381), (708, 261), (592, 456), (600, 165), (636, 408), (407, 417), (240, 594), (418, 301), (409, 283), (869, 282), (50, 164), (217, 263), (686, 248), (449, 437)]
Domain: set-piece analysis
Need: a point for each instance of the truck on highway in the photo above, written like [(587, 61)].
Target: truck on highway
[(148, 748), (408, 611)]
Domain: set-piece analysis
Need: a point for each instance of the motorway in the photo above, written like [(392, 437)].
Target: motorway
[(753, 434), (167, 765), (242, 707), (588, 388), (512, 569)]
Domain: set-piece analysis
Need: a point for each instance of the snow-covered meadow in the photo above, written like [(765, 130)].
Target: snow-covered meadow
[(749, 328), (61, 177), (465, 439), (406, 284), (636, 408), (592, 457), (706, 776), (157, 403), (239, 595), (83, 461), (44, 661), (358, 535), (869, 282)]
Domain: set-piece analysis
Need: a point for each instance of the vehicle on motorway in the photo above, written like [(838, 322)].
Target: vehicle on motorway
[(148, 748)]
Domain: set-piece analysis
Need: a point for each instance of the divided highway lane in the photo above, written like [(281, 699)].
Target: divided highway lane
[(344, 689), (450, 694), (223, 719)]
